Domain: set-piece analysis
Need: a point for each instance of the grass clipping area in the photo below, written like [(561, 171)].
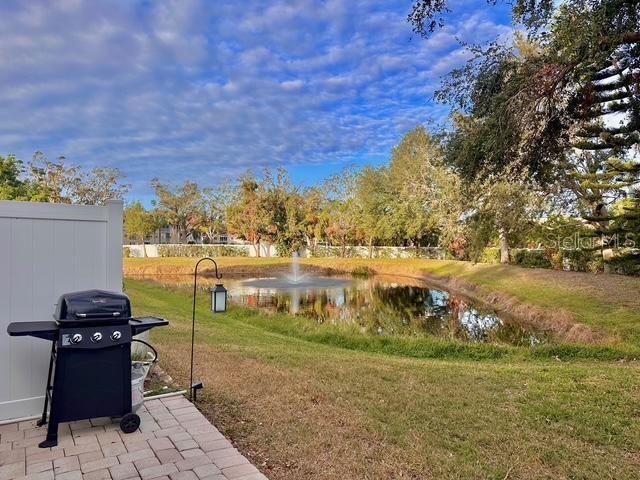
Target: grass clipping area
[(304, 403)]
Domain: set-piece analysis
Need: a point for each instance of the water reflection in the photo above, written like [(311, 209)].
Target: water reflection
[(379, 307)]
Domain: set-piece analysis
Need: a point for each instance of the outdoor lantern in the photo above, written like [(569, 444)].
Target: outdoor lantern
[(219, 299)]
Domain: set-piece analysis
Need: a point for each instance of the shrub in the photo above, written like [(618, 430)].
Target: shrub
[(579, 260), (438, 253), (201, 251), (531, 258), (595, 265), (490, 255), (626, 262), (333, 251), (325, 251), (555, 258), (126, 252), (433, 253), (362, 272), (459, 248)]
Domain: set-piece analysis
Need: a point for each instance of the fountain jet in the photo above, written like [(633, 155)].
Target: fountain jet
[(295, 276)]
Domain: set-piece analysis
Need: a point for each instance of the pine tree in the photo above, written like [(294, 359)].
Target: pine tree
[(606, 135)]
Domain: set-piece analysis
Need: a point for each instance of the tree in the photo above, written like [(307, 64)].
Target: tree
[(179, 208), (427, 15), (55, 179), (507, 206), (490, 97), (340, 218), (138, 223), (449, 203), (413, 180), (313, 202), (213, 211), (59, 183), (246, 216), (340, 215), (101, 185), (626, 222), (615, 222), (293, 236), (497, 203), (562, 102), (376, 214), (529, 101), (284, 206), (12, 184), (592, 62)]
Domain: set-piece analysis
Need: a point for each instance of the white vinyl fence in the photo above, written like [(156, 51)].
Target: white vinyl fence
[(46, 250), (153, 250)]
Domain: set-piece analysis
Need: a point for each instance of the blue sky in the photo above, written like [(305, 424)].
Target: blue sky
[(204, 90)]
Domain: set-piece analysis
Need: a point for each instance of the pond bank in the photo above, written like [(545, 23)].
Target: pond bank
[(378, 306), (581, 308)]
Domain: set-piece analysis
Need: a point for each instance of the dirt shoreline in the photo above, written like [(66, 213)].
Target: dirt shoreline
[(560, 323)]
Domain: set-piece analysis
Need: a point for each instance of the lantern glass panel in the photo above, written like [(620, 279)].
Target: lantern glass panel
[(219, 299)]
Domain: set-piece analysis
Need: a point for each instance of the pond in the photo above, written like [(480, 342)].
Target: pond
[(378, 305)]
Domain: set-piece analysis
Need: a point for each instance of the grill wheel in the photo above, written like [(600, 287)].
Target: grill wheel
[(129, 423)]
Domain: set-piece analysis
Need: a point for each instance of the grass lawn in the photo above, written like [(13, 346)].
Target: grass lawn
[(302, 406)]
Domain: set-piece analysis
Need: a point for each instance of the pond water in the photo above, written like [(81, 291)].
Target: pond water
[(379, 305)]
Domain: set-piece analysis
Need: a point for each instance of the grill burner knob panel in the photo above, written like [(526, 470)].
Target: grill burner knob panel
[(96, 337)]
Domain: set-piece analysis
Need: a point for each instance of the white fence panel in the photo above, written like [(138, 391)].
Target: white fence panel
[(47, 250)]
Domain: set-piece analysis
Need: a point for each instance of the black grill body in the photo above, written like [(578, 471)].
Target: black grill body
[(90, 367)]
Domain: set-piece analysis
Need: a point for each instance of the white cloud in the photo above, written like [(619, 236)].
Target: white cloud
[(197, 89), (292, 84)]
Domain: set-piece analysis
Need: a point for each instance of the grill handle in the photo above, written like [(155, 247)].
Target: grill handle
[(95, 315)]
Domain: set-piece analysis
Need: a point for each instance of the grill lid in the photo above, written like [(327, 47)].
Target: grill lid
[(93, 306)]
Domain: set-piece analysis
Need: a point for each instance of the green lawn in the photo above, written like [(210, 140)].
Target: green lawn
[(304, 404)]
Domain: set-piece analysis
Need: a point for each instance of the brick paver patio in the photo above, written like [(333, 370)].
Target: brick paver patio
[(174, 442)]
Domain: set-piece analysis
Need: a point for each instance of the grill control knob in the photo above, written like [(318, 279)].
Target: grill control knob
[(96, 337), (76, 338), (116, 335)]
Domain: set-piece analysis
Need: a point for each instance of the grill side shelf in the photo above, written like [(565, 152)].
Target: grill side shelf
[(142, 324), (44, 330)]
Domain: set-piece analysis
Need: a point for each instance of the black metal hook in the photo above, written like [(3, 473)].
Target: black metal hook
[(192, 387), (195, 272)]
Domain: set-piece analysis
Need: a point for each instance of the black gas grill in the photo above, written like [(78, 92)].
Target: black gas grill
[(90, 366)]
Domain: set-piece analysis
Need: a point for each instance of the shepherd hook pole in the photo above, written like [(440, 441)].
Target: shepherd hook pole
[(193, 319)]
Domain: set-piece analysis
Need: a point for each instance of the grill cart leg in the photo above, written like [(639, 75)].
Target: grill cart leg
[(52, 434), (47, 392), (52, 428)]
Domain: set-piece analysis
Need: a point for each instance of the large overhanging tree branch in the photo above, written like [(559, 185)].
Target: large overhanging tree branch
[(428, 15)]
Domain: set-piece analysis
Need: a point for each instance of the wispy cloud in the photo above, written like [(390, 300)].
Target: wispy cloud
[(198, 89)]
